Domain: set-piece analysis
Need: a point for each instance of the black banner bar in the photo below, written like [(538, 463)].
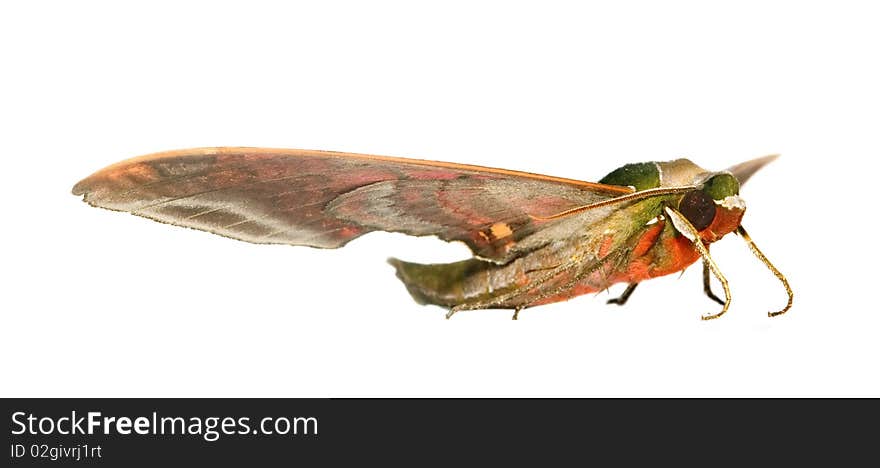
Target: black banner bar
[(267, 432)]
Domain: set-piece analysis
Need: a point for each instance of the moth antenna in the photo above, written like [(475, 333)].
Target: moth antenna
[(755, 250), (688, 230), (621, 199)]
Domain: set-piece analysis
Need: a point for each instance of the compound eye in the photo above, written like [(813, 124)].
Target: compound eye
[(698, 208)]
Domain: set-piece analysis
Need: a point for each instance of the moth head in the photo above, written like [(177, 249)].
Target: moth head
[(715, 208)]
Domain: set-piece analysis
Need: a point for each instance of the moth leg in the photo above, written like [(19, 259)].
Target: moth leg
[(688, 230), (453, 311), (516, 313), (707, 285), (625, 296), (717, 271)]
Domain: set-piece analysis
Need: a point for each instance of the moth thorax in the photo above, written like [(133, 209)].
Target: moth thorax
[(679, 173), (641, 176)]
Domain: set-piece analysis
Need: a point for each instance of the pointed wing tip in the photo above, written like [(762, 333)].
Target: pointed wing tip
[(84, 186), (81, 188), (90, 188)]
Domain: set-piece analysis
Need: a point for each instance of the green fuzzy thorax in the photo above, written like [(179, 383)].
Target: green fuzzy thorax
[(642, 176)]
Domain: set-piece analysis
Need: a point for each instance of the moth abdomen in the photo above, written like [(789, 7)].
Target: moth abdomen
[(466, 282)]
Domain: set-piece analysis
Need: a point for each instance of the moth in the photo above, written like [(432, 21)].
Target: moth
[(535, 239)]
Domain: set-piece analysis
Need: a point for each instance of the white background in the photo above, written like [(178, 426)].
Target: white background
[(96, 303)]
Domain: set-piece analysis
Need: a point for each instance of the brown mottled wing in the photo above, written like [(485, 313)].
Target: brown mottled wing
[(325, 199)]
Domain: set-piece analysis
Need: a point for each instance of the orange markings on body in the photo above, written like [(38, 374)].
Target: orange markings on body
[(641, 264), (658, 252), (648, 239), (605, 247), (679, 254), (638, 270), (725, 222)]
